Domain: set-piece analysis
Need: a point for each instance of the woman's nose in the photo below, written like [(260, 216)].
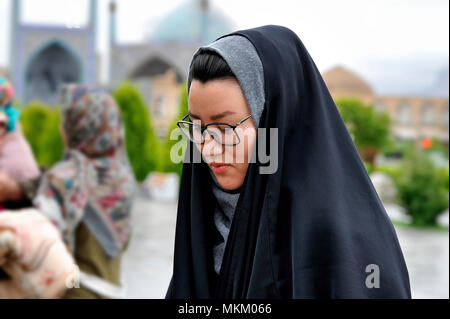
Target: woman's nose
[(211, 147)]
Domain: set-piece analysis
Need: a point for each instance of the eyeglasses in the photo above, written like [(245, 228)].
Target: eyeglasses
[(222, 133)]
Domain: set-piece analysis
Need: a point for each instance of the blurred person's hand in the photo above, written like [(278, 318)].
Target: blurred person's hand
[(33, 254), (10, 189)]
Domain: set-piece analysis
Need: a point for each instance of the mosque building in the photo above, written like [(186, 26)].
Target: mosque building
[(43, 57), (159, 66), (46, 56)]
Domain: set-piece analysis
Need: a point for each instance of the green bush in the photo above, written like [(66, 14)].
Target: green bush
[(439, 147), (423, 189), (444, 173), (40, 124), (395, 172), (141, 141), (398, 149), (166, 164)]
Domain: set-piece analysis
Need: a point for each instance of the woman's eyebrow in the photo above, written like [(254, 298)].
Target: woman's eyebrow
[(194, 116), (214, 117), (220, 115)]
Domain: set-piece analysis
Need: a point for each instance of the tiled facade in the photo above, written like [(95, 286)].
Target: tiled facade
[(44, 57)]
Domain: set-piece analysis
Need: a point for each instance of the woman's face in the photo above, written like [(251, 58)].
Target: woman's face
[(223, 101)]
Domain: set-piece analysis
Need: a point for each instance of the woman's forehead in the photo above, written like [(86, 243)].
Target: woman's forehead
[(217, 99)]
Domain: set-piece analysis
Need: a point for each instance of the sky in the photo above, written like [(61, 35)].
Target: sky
[(399, 46)]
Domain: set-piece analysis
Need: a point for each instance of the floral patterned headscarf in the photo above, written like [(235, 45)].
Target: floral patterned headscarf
[(94, 183)]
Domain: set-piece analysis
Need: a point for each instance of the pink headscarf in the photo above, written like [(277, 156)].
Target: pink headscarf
[(16, 157)]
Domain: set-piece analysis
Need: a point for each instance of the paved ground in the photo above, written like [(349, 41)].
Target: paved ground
[(147, 265), (426, 255)]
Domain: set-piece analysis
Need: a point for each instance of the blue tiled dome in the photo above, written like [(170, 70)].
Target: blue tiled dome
[(190, 22)]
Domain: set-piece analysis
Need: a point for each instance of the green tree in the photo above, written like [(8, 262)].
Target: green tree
[(40, 125), (140, 137), (368, 127)]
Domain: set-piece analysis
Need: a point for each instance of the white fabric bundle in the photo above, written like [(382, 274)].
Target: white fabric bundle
[(33, 254)]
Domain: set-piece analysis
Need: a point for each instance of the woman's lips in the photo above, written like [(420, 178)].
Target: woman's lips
[(219, 168)]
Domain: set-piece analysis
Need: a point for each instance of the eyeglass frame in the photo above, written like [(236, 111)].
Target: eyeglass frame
[(204, 128)]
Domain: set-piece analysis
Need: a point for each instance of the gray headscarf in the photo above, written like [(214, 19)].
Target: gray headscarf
[(244, 61)]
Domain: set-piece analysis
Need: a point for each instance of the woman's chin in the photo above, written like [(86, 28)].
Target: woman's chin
[(229, 183)]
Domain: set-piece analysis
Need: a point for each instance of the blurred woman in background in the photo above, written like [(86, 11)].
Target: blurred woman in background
[(16, 157), (88, 194)]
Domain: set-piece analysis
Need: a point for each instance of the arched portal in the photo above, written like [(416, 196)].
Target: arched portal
[(49, 68), (160, 86), (153, 67)]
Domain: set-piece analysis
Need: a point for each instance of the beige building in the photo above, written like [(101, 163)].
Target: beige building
[(166, 92), (413, 117)]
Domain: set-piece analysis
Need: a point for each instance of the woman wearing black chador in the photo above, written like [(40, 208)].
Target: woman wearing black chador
[(307, 223)]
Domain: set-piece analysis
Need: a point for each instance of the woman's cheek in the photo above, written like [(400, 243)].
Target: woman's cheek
[(247, 145), (240, 172)]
